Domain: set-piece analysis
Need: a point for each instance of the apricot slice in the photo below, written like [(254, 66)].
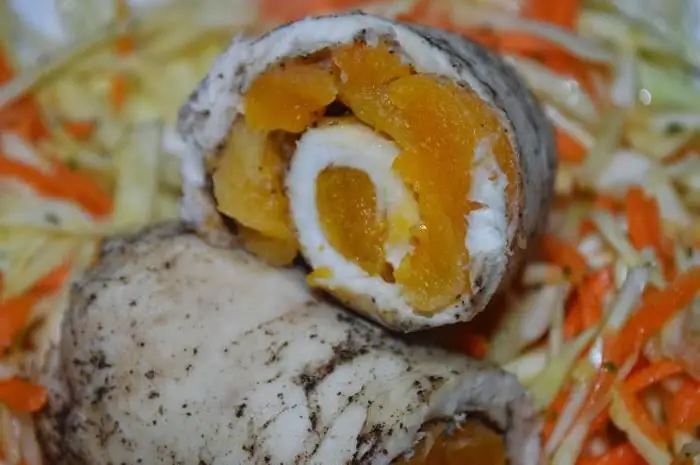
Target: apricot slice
[(249, 185), (276, 252), (347, 206), (471, 442), (289, 97), (364, 73)]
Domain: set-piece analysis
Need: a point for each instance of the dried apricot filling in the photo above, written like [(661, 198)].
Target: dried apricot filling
[(437, 125), (470, 442)]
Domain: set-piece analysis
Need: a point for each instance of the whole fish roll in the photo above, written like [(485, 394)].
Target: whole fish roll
[(174, 351), (408, 166)]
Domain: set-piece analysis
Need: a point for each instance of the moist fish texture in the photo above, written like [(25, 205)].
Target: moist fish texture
[(206, 120), (176, 352)]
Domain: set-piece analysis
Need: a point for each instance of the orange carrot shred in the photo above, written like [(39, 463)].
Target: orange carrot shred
[(562, 13), (624, 454), (473, 344), (606, 202), (683, 409), (81, 130), (61, 183), (22, 116), (641, 417), (656, 309), (118, 91), (22, 396), (565, 255), (573, 323), (419, 13), (6, 72), (568, 148), (652, 374), (14, 314), (600, 422), (644, 221), (53, 280), (86, 191), (552, 413)]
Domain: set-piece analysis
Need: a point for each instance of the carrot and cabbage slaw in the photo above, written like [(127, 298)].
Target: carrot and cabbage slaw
[(603, 327)]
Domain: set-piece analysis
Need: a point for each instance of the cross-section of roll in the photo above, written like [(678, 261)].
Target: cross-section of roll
[(409, 167), (176, 352)]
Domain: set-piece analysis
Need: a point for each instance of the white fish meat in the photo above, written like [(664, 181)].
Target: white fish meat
[(177, 352)]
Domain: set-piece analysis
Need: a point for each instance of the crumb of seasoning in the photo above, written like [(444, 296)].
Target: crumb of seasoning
[(609, 367), (674, 128)]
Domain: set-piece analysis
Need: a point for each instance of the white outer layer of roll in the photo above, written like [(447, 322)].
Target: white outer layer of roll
[(177, 352), (206, 119)]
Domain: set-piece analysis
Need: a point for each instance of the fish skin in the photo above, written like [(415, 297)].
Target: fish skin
[(177, 352), (205, 119)]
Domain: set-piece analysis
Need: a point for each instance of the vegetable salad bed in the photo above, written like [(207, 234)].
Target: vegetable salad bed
[(603, 326)]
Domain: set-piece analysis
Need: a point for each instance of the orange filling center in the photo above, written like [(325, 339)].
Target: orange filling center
[(471, 442), (437, 125)]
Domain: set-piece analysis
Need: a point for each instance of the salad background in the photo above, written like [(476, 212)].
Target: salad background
[(88, 149)]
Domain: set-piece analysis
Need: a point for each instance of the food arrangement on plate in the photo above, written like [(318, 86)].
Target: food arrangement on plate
[(418, 232)]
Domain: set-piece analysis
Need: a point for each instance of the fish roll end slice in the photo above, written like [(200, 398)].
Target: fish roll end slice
[(177, 352), (410, 168)]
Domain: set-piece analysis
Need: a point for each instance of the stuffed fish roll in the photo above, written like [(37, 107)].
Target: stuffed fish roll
[(407, 166), (177, 352)]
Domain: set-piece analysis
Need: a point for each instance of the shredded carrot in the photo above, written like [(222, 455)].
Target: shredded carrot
[(568, 148), (624, 454), (590, 294), (552, 413), (60, 183), (486, 37), (6, 71), (600, 422), (14, 314), (118, 90), (22, 396), (573, 323), (643, 219), (641, 417), (124, 45), (419, 13), (564, 254), (22, 116), (81, 130), (683, 408), (656, 309), (473, 344), (87, 192), (562, 13), (652, 374), (607, 202)]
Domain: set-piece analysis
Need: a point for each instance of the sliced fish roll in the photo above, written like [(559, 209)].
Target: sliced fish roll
[(174, 351), (409, 167)]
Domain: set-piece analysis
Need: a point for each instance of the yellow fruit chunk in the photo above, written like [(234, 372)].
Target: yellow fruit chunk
[(347, 206), (249, 185), (471, 443), (289, 97), (438, 125), (364, 73), (276, 252)]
